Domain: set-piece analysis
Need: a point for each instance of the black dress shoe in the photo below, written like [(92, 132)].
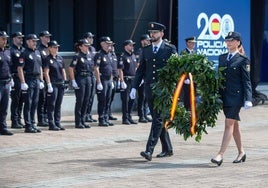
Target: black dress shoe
[(146, 155), (16, 126), (143, 120), (109, 123), (42, 124), (242, 159), (125, 122), (30, 130), (37, 129), (5, 132), (54, 128), (148, 119), (164, 154), (103, 123), (86, 125), (80, 126), (112, 117), (217, 162), (61, 127), (132, 121)]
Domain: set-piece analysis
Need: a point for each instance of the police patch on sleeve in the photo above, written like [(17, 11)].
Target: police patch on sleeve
[(17, 54), (51, 61), (82, 60), (104, 59), (74, 62), (248, 68), (44, 53)]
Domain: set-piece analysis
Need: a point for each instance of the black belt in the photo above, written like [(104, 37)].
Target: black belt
[(58, 83), (85, 74), (129, 77), (5, 81)]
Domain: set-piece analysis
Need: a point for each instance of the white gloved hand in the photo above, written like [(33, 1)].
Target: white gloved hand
[(49, 88), (99, 86), (132, 94), (11, 83), (41, 85), (187, 81), (248, 104), (123, 85), (74, 84), (112, 86), (24, 86)]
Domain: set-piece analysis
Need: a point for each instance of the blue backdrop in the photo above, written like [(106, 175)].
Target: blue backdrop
[(210, 21)]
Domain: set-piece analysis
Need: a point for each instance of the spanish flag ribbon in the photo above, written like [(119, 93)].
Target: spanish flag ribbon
[(192, 102)]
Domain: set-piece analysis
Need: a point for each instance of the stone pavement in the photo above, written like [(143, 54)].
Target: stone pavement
[(103, 157)]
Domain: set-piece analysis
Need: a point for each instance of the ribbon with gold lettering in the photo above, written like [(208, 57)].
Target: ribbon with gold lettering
[(192, 102)]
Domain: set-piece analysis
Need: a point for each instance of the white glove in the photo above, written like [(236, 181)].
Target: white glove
[(74, 84), (248, 104), (24, 86), (132, 94), (99, 86), (112, 86), (123, 85), (49, 88), (11, 83), (187, 81), (41, 85)]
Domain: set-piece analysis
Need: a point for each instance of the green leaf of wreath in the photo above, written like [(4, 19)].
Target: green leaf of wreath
[(207, 82)]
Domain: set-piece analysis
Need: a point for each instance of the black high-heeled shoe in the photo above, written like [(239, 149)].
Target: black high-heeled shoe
[(243, 159), (217, 162)]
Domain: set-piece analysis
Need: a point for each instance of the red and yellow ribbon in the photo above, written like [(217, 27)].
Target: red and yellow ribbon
[(192, 102)]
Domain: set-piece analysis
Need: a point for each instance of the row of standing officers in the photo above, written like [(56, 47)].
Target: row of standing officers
[(37, 79)]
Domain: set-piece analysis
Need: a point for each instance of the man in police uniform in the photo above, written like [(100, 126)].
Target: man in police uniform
[(5, 82), (92, 51), (16, 97), (142, 105), (30, 73), (103, 72), (154, 57), (41, 109), (190, 45)]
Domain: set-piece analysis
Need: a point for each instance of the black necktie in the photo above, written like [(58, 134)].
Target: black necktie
[(229, 57), (155, 49)]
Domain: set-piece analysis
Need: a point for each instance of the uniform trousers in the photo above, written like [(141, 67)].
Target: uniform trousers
[(82, 98), (127, 102), (104, 96), (30, 98), (54, 101), (4, 97), (91, 94)]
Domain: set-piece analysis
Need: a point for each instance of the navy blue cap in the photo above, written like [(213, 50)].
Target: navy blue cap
[(190, 39), (31, 37), (44, 33), (88, 35), (106, 39), (145, 37), (83, 42), (3, 34), (53, 43), (233, 35), (154, 26), (127, 42), (17, 34)]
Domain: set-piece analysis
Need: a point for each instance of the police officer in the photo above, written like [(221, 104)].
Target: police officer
[(41, 109), (142, 105), (55, 75), (190, 45), (16, 97), (127, 70), (237, 92), (81, 70), (154, 57), (5, 82), (92, 51), (30, 73), (103, 72), (115, 81)]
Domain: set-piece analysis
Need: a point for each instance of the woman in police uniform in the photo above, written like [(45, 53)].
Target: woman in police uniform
[(55, 75), (236, 92), (80, 70)]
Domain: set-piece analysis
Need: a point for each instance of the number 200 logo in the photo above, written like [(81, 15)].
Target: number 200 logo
[(214, 27)]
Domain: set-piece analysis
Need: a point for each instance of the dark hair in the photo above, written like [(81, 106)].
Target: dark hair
[(76, 47)]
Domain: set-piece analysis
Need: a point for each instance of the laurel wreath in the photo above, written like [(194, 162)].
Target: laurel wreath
[(208, 83)]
